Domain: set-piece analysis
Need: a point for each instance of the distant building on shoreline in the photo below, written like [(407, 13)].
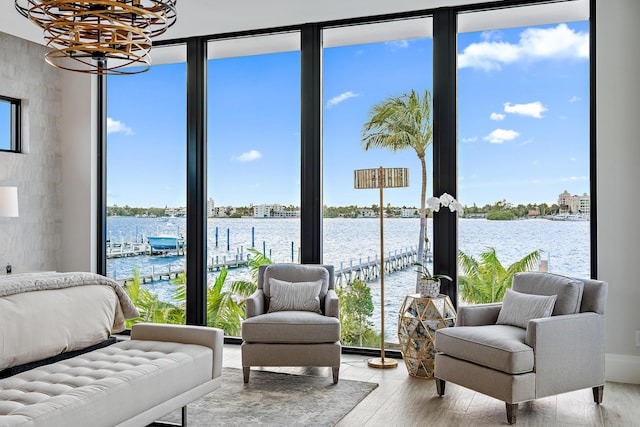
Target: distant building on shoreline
[(575, 204), (409, 213), (274, 211), (210, 207)]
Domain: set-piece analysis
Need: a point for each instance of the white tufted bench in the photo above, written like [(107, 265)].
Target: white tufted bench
[(131, 383)]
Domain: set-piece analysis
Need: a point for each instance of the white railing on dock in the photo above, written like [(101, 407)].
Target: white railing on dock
[(369, 270), (365, 270)]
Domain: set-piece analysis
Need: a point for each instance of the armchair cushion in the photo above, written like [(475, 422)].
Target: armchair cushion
[(499, 347), (568, 290), (300, 296), (296, 273), (517, 308), (291, 327)]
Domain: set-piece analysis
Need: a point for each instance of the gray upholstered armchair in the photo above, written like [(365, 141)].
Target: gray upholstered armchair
[(542, 356), (292, 319)]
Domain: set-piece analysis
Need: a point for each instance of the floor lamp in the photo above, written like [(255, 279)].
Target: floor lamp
[(381, 178)]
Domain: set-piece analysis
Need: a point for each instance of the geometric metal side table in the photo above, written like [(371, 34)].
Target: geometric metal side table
[(418, 320)]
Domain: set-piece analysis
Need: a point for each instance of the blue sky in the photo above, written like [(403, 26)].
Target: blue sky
[(5, 125), (523, 122)]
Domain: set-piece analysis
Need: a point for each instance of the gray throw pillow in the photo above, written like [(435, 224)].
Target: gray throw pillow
[(294, 296), (518, 308)]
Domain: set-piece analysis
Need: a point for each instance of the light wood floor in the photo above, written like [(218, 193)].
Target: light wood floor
[(401, 400)]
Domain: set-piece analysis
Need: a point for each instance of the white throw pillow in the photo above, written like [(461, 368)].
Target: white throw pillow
[(518, 308), (296, 296)]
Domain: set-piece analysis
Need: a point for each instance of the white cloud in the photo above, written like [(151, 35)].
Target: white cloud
[(116, 126), (573, 178), (399, 43), (535, 44), (497, 116), (573, 159), (532, 109), (342, 97), (491, 35), (248, 156), (574, 99), (472, 139), (499, 136)]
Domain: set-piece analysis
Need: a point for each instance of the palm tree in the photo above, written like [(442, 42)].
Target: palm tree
[(399, 123), (486, 281), (225, 307), (149, 305)]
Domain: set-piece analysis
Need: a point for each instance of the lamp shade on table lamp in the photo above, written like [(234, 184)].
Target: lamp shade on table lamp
[(8, 201)]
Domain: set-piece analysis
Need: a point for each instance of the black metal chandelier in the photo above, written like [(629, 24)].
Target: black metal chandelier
[(101, 36)]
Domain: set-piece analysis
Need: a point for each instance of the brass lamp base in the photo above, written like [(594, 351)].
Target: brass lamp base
[(382, 363)]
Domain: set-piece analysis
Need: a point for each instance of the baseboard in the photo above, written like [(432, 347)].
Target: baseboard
[(622, 368)]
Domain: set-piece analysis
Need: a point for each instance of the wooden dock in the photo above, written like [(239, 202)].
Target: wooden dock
[(129, 249), (369, 270), (365, 270), (170, 274)]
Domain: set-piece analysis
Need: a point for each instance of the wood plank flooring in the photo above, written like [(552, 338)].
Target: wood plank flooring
[(401, 400)]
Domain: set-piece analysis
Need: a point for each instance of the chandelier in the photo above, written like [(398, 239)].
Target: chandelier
[(101, 36)]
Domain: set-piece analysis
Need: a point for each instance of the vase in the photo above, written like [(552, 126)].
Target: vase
[(429, 288)]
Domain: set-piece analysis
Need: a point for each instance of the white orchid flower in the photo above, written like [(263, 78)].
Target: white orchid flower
[(434, 203), (446, 199), (456, 206)]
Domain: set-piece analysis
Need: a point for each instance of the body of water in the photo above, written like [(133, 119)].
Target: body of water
[(565, 244)]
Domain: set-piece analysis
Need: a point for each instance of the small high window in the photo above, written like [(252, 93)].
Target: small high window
[(9, 124)]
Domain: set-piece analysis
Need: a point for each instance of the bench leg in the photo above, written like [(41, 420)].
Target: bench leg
[(597, 394), (168, 424), (246, 370), (512, 412), (336, 371)]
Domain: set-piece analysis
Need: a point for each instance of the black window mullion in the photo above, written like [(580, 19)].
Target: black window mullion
[(445, 168), (311, 145), (101, 149), (197, 181)]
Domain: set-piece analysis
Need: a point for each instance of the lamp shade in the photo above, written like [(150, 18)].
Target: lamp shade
[(9, 201), (381, 177)]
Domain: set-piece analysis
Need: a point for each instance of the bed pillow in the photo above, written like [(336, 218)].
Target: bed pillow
[(518, 308), (294, 296)]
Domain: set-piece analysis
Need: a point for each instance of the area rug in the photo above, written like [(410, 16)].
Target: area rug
[(275, 399)]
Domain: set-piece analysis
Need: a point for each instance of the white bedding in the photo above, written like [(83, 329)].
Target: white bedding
[(58, 312)]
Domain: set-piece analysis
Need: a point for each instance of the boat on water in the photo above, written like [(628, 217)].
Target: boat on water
[(165, 243)]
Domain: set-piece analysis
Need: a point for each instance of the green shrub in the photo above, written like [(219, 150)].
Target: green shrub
[(500, 215)]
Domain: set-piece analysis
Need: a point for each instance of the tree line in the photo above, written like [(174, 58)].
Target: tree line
[(498, 210)]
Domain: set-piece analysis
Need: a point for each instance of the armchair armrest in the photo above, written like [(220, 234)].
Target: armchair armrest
[(332, 304), (478, 315), (254, 305), (569, 352), (185, 334)]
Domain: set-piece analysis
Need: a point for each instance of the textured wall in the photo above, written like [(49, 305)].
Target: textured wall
[(32, 241)]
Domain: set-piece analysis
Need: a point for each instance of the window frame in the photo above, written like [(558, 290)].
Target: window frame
[(15, 118), (445, 178)]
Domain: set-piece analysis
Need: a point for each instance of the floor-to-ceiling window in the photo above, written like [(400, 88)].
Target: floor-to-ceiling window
[(146, 185), (253, 183), (513, 139), (524, 138), (366, 69)]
